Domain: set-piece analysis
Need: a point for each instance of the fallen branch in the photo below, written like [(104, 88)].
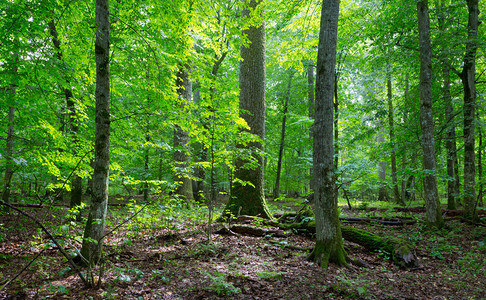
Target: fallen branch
[(391, 221), (23, 269), (51, 237)]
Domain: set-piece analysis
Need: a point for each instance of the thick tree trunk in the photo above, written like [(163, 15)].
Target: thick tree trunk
[(76, 183), (182, 139), (95, 226), (247, 196), (469, 87), (329, 244), (276, 191), (432, 203), (396, 192)]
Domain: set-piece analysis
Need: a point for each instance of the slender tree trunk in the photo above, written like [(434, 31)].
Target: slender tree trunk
[(200, 172), (311, 99), (329, 244), (432, 203), (182, 139), (336, 123), (480, 163), (276, 191), (383, 191), (469, 87), (146, 169), (9, 152), (450, 142), (391, 124), (405, 120), (95, 226), (77, 182), (10, 134), (249, 198)]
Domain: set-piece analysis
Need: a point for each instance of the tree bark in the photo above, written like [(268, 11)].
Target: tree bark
[(329, 244), (95, 226), (469, 87), (182, 139), (432, 203), (247, 196), (276, 191)]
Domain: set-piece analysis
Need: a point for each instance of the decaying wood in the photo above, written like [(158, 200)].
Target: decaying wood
[(387, 221), (445, 212), (251, 230), (32, 205)]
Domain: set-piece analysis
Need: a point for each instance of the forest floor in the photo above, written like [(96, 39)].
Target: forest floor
[(163, 253)]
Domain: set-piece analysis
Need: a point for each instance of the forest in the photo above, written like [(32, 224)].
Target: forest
[(242, 149)]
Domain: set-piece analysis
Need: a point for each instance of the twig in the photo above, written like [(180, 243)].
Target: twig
[(51, 237), (23, 269)]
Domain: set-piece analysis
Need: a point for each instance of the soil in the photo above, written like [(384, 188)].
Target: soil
[(178, 263)]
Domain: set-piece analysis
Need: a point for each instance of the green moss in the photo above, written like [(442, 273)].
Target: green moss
[(332, 251)]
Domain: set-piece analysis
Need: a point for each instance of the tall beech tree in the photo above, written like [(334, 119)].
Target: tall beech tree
[(434, 216), (95, 225), (329, 243), (247, 195)]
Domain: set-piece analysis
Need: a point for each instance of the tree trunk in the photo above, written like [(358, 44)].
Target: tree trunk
[(146, 169), (480, 163), (95, 226), (182, 139), (9, 152), (432, 203), (77, 182), (469, 87), (276, 191), (247, 196), (450, 142), (311, 100), (329, 244), (383, 191), (10, 133), (391, 124)]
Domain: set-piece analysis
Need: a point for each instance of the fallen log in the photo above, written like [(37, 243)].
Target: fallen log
[(32, 205), (387, 221), (252, 231), (400, 252), (445, 212)]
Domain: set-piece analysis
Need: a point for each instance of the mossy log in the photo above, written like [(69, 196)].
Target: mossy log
[(400, 252)]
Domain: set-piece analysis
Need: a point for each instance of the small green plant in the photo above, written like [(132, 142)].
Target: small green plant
[(160, 276), (270, 275), (220, 286)]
